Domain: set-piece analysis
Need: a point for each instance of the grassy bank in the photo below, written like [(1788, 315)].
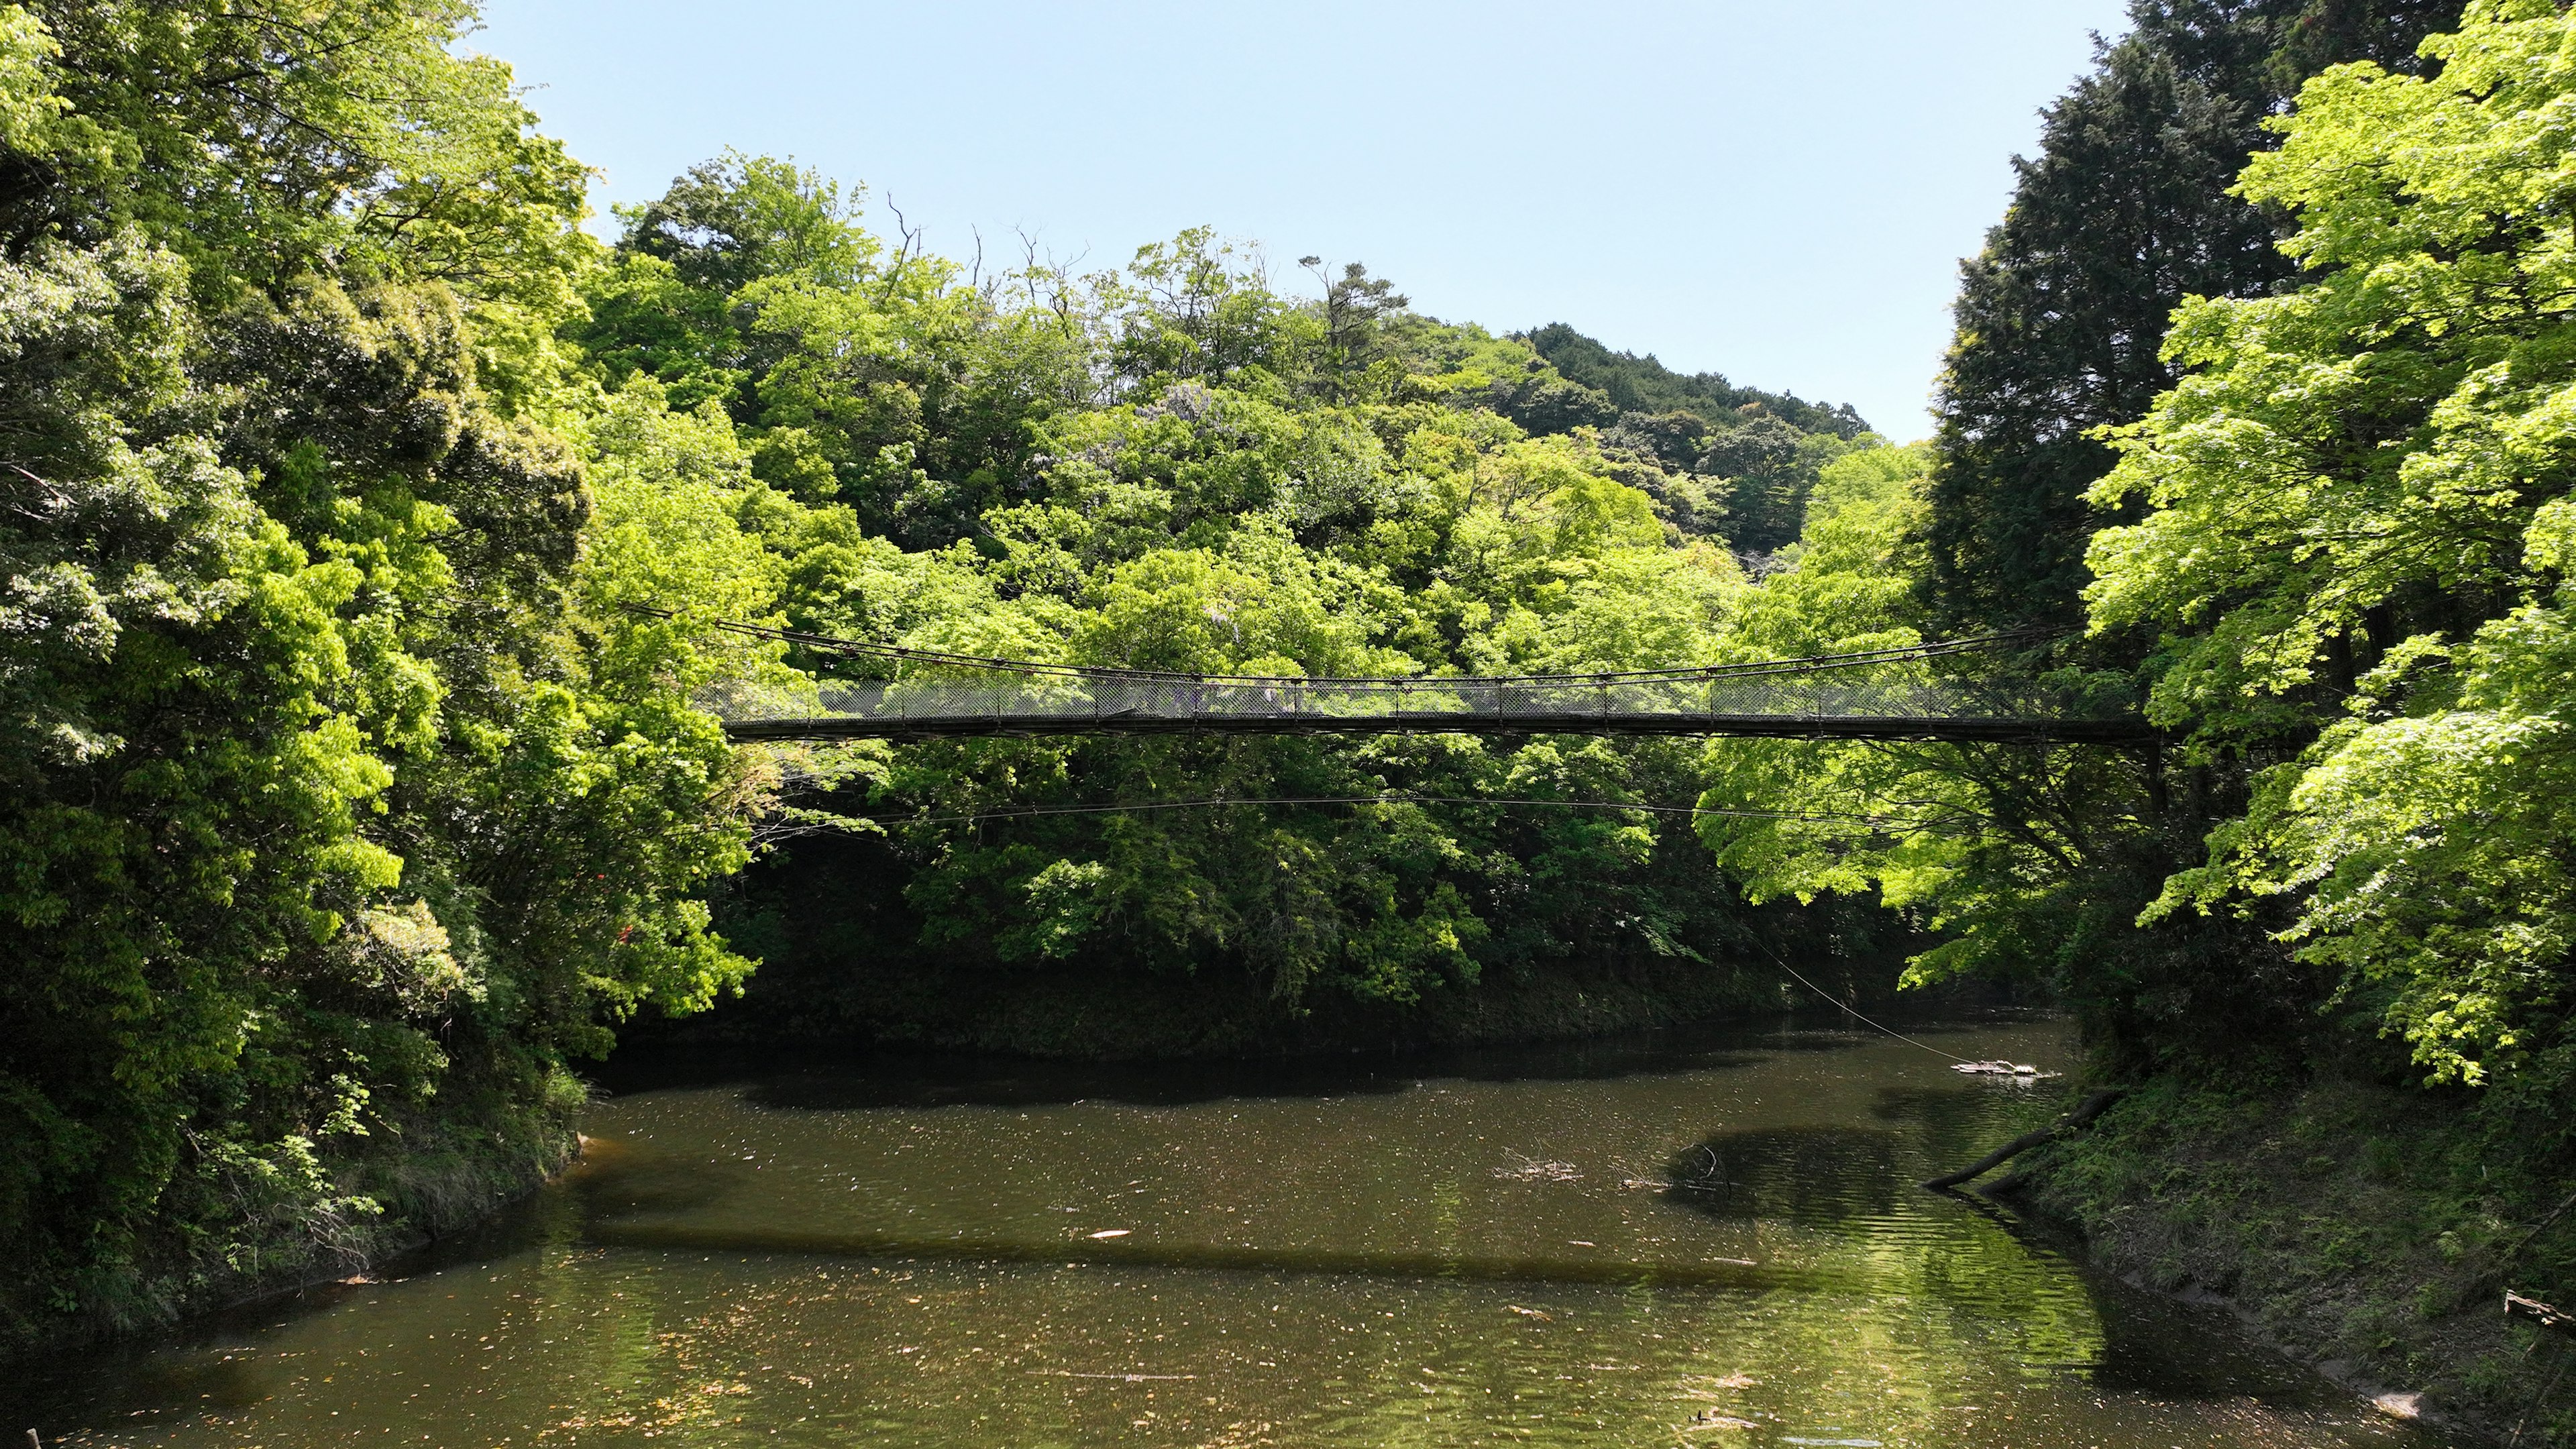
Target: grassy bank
[(229, 1238), (2365, 1228)]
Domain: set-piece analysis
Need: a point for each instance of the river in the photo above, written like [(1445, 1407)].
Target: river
[(1711, 1239)]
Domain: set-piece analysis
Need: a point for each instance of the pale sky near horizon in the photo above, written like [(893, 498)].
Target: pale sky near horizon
[(1779, 192)]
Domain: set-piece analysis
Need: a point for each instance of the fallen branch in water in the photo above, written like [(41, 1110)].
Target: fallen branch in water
[(1530, 1169), (2075, 1121)]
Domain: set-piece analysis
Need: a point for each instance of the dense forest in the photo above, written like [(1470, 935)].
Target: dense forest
[(354, 803), (1179, 466)]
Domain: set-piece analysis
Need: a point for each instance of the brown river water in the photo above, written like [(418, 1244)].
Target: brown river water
[(1471, 1250)]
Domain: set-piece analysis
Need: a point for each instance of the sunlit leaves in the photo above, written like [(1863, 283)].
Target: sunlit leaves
[(2356, 536)]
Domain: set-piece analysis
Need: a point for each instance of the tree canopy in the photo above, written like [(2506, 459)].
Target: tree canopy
[(2123, 213), (328, 832), (2355, 532)]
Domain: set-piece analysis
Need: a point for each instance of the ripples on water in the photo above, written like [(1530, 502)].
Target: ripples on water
[(1716, 1242)]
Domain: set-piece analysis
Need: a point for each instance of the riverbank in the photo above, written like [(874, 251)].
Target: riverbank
[(2367, 1230), (431, 1181)]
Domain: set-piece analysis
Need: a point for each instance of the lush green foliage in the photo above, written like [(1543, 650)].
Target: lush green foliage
[(1175, 465), (2358, 523), (330, 826), (2122, 214)]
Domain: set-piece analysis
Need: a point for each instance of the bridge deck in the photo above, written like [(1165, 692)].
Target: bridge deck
[(1737, 726), (1884, 703)]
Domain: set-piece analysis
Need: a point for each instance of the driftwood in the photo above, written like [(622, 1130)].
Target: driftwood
[(2075, 1121), (2517, 1306)]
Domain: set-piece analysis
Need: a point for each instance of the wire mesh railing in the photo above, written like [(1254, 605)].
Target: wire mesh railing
[(1432, 700), (1897, 693)]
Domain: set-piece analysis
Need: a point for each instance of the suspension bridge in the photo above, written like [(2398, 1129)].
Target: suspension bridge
[(1881, 694)]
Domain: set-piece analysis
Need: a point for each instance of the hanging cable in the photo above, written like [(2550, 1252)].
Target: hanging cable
[(1846, 1006)]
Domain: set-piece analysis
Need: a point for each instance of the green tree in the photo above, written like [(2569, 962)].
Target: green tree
[(2124, 212), (2356, 525), (325, 837)]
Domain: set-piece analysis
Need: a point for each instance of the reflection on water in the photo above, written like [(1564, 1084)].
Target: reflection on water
[(1621, 1244)]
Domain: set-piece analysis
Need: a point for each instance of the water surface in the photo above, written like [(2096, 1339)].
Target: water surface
[(1712, 1240)]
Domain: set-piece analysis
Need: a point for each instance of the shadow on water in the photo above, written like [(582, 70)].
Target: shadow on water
[(1212, 1257), (1999, 1305), (1861, 1180), (1810, 1175), (623, 1198), (851, 1076), (1847, 1175), (2154, 1345), (212, 1362), (1949, 1129), (614, 1181)]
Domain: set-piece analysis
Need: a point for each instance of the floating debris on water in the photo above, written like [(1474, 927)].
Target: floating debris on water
[(1532, 1170)]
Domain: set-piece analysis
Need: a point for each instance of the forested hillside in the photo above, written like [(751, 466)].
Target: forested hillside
[(1767, 446), (1178, 465)]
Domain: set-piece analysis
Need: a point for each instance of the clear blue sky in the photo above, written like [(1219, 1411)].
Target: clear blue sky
[(1776, 191)]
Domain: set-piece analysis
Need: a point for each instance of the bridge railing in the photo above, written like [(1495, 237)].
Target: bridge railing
[(1112, 699)]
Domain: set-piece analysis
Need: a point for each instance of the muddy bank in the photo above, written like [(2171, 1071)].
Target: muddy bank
[(2359, 1228)]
